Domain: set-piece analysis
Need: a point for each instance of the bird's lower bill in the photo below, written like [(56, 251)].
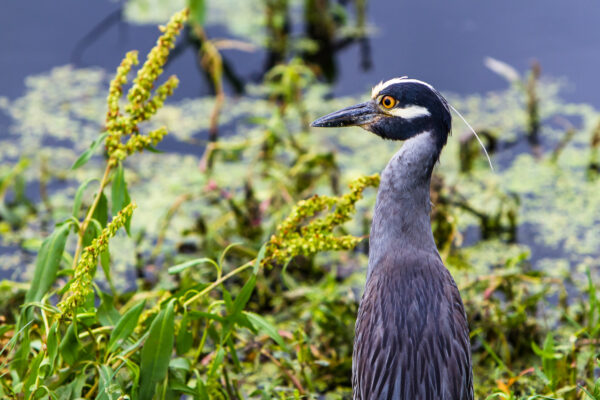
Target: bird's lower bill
[(363, 114)]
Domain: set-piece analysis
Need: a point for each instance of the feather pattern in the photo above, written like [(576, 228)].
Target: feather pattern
[(412, 336)]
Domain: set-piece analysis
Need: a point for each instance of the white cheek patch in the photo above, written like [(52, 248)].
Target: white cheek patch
[(409, 112)]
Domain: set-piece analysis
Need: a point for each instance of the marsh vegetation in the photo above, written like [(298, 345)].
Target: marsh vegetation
[(232, 267)]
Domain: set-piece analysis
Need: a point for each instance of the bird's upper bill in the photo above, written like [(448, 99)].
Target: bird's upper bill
[(358, 115)]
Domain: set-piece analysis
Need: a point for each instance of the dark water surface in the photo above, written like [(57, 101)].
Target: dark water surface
[(445, 43), (441, 42)]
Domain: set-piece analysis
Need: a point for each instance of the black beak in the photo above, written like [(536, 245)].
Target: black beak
[(358, 115)]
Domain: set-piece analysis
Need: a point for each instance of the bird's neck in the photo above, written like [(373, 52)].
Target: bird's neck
[(401, 220)]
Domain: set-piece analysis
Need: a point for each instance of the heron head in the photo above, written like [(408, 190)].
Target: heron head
[(398, 110)]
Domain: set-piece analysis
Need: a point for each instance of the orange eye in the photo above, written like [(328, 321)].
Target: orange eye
[(388, 101)]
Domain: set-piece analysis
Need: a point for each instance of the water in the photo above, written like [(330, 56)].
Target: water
[(445, 43), (40, 35), (441, 42)]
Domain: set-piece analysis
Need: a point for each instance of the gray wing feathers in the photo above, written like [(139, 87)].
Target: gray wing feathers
[(412, 337)]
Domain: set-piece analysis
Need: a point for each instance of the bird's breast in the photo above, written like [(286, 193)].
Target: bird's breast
[(412, 338)]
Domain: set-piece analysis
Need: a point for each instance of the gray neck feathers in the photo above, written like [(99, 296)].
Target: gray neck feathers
[(401, 218)]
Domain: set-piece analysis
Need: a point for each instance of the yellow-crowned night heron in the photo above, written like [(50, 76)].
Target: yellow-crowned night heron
[(412, 337)]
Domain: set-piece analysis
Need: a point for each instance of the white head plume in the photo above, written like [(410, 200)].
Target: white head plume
[(474, 133)]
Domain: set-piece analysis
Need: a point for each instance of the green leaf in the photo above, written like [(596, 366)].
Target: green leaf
[(93, 231), (98, 221), (45, 368), (134, 374), (79, 196), (29, 382), (544, 353), (233, 354), (217, 361), (180, 363), (106, 389), (20, 361), (101, 211), (43, 392), (125, 326), (587, 392), (192, 263), (72, 390), (227, 299), (105, 263), (201, 388), (52, 344), (120, 195), (242, 298), (262, 325), (197, 11), (180, 387), (69, 346), (138, 344), (183, 342), (243, 321), (259, 258), (47, 263), (156, 352), (107, 313), (84, 158)]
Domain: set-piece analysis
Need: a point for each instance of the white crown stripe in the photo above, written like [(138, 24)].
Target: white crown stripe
[(382, 85), (409, 112)]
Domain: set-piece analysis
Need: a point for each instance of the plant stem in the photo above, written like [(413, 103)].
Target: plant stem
[(92, 389), (217, 283), (90, 213)]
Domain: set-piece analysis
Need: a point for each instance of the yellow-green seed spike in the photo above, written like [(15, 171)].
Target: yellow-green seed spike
[(156, 102), (293, 238), (116, 85), (81, 286), (153, 67), (140, 105)]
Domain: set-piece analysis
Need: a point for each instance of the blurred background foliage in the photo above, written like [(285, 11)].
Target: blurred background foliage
[(187, 304)]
